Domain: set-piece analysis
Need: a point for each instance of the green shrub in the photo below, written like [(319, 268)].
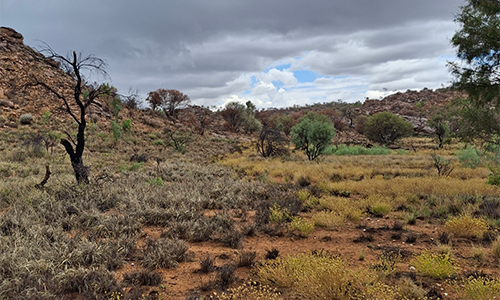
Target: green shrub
[(469, 157), (313, 134), (385, 128), (437, 266), (117, 130), (26, 119), (127, 126)]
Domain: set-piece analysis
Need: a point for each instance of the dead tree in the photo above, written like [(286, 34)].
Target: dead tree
[(271, 142), (83, 95)]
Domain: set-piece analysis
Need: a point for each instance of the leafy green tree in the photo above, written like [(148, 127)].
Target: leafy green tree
[(478, 71), (385, 128), (441, 129), (313, 134)]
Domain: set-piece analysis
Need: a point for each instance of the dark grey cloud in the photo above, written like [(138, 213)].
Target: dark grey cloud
[(205, 48)]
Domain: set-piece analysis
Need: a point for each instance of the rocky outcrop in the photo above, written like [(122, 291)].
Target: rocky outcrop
[(414, 106)]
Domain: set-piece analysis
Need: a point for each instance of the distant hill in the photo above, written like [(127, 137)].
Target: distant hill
[(19, 63)]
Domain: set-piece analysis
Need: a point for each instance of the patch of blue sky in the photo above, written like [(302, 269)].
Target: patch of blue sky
[(278, 84), (280, 68), (446, 58), (246, 92), (305, 76), (253, 81)]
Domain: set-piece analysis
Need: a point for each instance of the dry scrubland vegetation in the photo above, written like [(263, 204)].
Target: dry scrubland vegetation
[(169, 213), (344, 227)]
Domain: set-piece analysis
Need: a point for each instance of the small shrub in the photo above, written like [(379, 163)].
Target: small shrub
[(387, 263), (444, 237), (155, 181), (305, 227), (272, 254), (443, 166), (147, 278), (437, 266), (477, 253), (410, 291), (469, 157), (246, 259), (127, 126), (445, 249), (117, 130), (467, 226), (480, 288), (495, 248), (278, 214), (250, 291), (225, 275), (26, 119), (494, 179), (159, 142), (411, 238), (164, 253), (206, 265)]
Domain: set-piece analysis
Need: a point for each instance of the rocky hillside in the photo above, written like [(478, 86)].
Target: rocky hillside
[(414, 106), (19, 64)]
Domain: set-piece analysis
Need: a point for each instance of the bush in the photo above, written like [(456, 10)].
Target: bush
[(441, 129), (385, 128), (437, 266), (239, 116), (467, 226), (469, 157), (117, 130), (480, 288), (271, 142), (26, 119), (147, 278), (495, 248), (164, 253), (304, 227), (313, 134), (443, 166)]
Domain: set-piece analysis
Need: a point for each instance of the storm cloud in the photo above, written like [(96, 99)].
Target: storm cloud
[(224, 50)]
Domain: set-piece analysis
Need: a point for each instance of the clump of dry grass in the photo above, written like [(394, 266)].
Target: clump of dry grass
[(467, 226), (318, 276), (164, 253)]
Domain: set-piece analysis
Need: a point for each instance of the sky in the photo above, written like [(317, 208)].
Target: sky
[(275, 53)]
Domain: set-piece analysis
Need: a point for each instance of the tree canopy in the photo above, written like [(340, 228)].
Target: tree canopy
[(385, 128), (313, 134), (478, 71)]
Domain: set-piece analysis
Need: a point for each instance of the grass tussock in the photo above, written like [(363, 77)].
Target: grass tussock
[(480, 288), (317, 276), (436, 266), (467, 226)]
